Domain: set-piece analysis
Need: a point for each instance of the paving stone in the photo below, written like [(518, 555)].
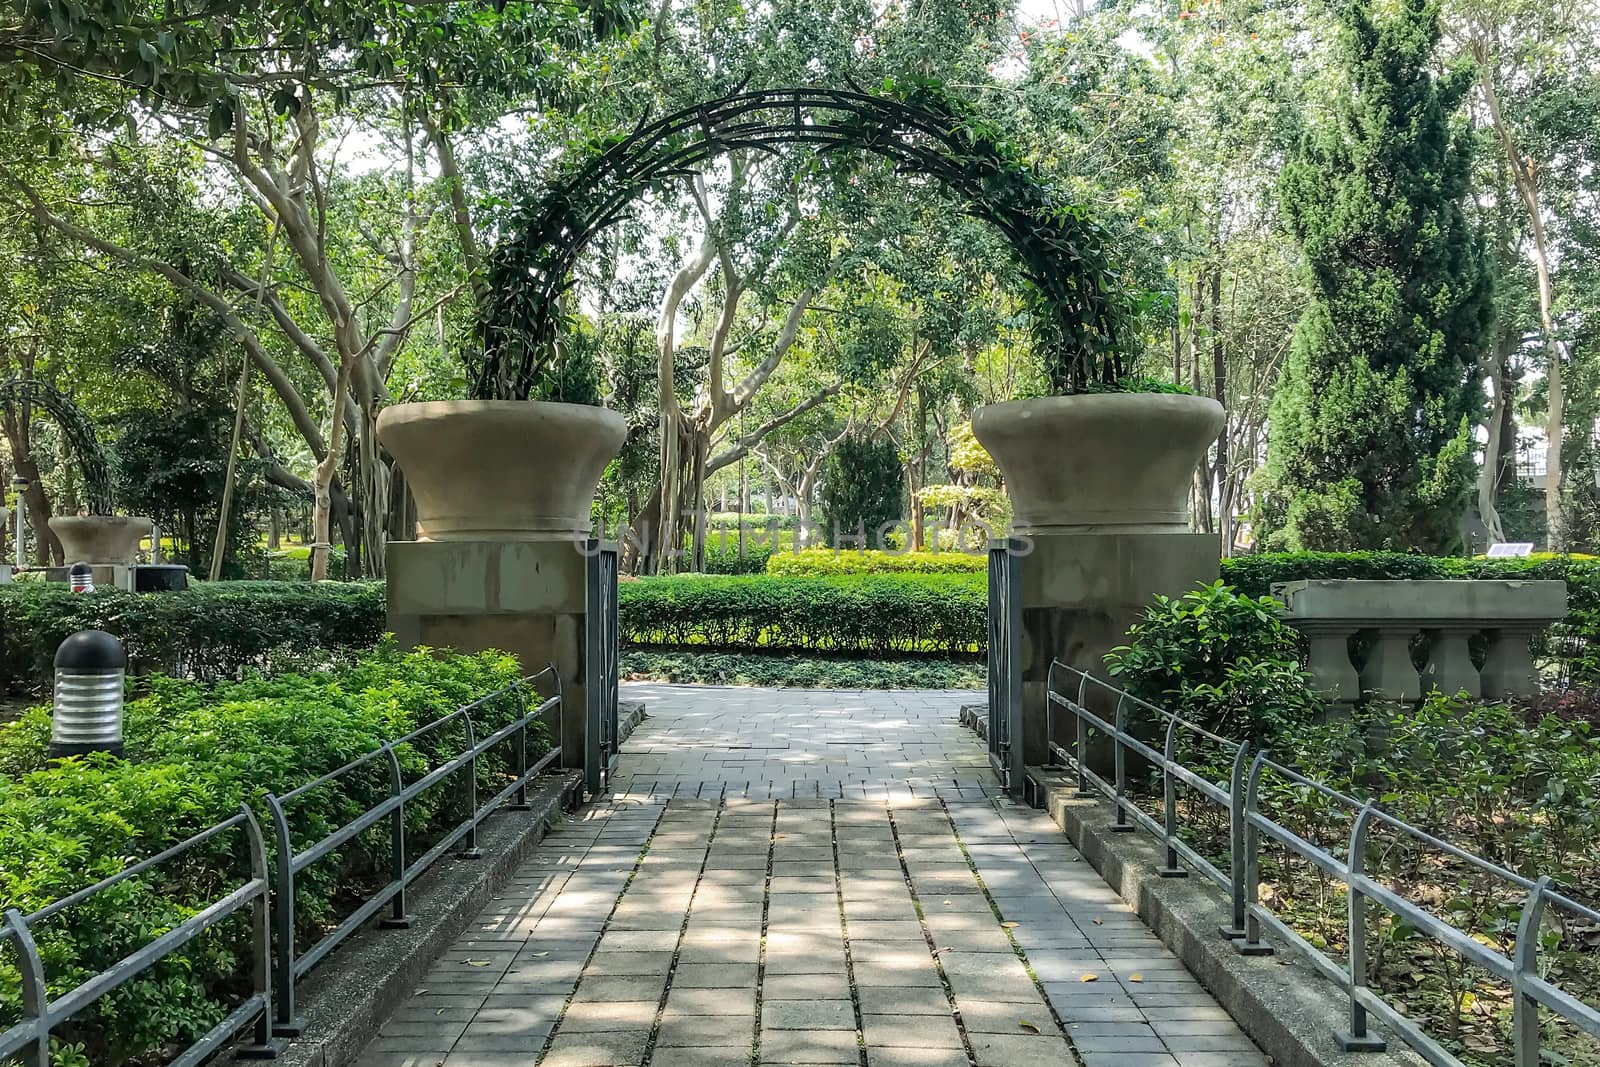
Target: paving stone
[(910, 1031), (808, 1015), (809, 1046), (691, 1030), (617, 1048)]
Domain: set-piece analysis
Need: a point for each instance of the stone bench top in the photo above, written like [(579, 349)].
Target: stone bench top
[(1423, 602)]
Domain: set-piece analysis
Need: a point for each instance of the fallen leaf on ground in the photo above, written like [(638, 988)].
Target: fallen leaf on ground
[(1136, 977), (1099, 922), (477, 963), (1009, 925), (1026, 1025), (1088, 977)]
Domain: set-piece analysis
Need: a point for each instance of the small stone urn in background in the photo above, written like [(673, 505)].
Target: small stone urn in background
[(504, 492), (1099, 486), (108, 543)]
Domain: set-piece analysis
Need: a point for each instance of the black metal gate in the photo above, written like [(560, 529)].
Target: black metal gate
[(1005, 664), (600, 659)]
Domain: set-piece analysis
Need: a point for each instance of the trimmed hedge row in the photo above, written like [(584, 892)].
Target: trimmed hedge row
[(823, 561), (861, 614), (804, 672), (211, 631), (195, 753)]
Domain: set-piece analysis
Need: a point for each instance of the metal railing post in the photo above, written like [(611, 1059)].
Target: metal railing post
[(1082, 743), (397, 917), (1169, 804), (1049, 715), (1358, 1038), (1244, 799), (1524, 965), (285, 1023), (263, 1047), (519, 753), (471, 851), (35, 998), (1120, 758)]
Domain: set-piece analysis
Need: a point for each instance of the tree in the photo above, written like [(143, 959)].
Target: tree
[(862, 489), (1371, 442)]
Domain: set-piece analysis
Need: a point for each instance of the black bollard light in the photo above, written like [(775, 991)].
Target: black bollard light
[(87, 716), (81, 577)]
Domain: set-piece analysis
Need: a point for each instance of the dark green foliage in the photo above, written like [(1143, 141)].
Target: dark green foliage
[(727, 559), (861, 491), (1571, 647), (195, 753), (808, 672), (1223, 660), (208, 632), (1371, 445), (866, 614), (171, 465)]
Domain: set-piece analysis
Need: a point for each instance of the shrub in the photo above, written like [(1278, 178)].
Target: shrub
[(818, 561), (727, 559), (209, 631), (196, 752), (862, 613), (808, 672), (1221, 659)]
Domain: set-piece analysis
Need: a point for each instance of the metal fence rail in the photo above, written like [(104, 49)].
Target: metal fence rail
[(291, 965), (269, 894), (28, 1042), (1241, 799)]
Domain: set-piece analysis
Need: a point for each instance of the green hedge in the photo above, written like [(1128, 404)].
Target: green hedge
[(209, 631), (195, 753), (803, 672), (1571, 648), (863, 614), (822, 561)]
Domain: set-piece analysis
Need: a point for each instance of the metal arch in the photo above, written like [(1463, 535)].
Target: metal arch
[(78, 428), (924, 134)]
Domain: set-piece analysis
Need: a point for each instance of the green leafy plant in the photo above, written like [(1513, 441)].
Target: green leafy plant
[(1221, 659), (861, 489), (195, 752)]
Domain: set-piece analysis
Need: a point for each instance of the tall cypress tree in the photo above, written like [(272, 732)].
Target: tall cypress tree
[(1370, 441)]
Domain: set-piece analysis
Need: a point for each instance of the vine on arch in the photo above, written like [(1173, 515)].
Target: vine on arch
[(75, 426), (1076, 295)]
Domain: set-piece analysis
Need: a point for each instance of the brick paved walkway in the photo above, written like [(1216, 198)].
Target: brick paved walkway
[(841, 891)]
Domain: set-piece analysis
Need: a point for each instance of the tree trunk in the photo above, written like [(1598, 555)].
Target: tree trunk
[(1219, 382), (46, 548), (1555, 352), (1494, 448)]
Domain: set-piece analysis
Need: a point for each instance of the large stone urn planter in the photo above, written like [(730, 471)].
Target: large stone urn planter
[(1110, 461), (501, 470), (1099, 487), (112, 539)]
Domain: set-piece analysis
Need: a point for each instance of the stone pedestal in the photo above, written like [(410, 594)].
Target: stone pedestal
[(1080, 593), (523, 597)]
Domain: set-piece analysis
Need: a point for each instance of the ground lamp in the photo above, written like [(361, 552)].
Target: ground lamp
[(87, 716)]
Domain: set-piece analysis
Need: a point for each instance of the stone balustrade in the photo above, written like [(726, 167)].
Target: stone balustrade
[(1447, 615)]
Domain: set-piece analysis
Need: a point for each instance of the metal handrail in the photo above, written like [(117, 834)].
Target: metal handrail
[(28, 1041), (291, 963), (1248, 825), (269, 892)]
